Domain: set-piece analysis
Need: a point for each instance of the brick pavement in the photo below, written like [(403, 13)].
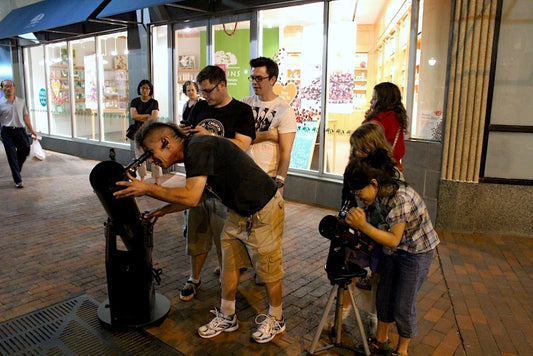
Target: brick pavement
[(476, 301)]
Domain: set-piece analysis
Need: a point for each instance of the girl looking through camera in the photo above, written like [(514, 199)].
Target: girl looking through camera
[(409, 240)]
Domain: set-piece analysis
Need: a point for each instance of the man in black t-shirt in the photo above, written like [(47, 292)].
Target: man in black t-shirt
[(254, 227), (221, 115)]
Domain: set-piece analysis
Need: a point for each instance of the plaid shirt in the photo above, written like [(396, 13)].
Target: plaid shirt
[(407, 206)]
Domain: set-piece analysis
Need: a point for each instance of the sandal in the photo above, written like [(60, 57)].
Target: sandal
[(381, 348)]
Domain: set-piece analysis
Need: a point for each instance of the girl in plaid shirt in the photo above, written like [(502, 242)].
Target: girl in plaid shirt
[(408, 243)]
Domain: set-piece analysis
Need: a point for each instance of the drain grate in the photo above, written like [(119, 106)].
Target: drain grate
[(73, 328)]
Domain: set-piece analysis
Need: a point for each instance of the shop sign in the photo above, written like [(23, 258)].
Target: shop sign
[(42, 96)]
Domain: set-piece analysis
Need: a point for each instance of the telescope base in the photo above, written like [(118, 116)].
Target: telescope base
[(158, 314)]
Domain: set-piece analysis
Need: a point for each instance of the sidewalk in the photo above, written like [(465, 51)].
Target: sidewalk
[(477, 299)]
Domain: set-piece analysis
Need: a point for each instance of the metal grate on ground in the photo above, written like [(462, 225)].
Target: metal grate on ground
[(73, 328)]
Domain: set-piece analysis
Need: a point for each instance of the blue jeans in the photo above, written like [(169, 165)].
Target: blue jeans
[(17, 145), (401, 276)]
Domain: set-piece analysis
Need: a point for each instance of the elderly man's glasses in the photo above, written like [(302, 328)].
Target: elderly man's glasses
[(256, 78), (208, 91)]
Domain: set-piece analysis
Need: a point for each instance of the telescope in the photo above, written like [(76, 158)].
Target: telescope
[(132, 299)]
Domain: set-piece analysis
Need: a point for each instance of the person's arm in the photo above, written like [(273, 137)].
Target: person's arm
[(269, 135), (138, 117), (285, 147), (183, 197), (286, 141), (27, 121), (356, 218), (242, 141), (155, 114)]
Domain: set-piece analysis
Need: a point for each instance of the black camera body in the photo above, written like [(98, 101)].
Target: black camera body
[(337, 230)]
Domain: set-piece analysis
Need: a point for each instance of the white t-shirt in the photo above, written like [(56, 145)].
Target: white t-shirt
[(270, 115)]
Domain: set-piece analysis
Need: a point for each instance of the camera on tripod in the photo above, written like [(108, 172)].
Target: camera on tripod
[(336, 229)]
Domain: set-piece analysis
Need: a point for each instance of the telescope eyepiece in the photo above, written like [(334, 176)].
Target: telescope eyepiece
[(132, 167)]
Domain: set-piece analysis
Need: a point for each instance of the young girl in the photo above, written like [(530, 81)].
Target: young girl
[(386, 108), (408, 242), (367, 138)]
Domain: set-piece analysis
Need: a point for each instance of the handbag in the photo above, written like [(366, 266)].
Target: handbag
[(36, 151), (132, 129)]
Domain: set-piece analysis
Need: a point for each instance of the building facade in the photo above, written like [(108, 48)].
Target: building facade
[(462, 67)]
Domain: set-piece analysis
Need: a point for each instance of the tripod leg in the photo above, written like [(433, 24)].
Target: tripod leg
[(324, 318), (359, 322), (338, 315)]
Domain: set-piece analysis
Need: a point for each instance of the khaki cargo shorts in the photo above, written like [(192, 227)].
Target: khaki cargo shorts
[(261, 247)]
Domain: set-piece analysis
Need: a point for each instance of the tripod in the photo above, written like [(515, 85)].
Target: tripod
[(340, 276)]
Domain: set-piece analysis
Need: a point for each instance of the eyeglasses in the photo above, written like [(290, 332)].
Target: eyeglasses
[(257, 78), (208, 91)]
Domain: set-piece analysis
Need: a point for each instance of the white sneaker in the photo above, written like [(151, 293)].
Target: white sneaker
[(219, 324), (268, 328)]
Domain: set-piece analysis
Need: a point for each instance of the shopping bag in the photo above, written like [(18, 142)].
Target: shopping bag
[(36, 151)]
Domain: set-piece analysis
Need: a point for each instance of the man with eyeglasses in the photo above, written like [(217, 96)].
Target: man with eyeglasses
[(275, 121), (14, 118), (254, 227), (218, 115)]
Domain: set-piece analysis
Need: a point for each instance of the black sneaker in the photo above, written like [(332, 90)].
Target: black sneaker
[(189, 291)]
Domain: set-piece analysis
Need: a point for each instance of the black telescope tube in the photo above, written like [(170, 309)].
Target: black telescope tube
[(124, 212)]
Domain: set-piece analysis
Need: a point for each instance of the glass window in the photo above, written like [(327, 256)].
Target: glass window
[(160, 62), (509, 152), (346, 84), (84, 89), (509, 155), (293, 37), (513, 79), (57, 61), (36, 91), (430, 70), (190, 57), (114, 101), (232, 53)]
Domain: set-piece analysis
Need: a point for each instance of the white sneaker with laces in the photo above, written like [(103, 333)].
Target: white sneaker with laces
[(268, 328), (219, 324)]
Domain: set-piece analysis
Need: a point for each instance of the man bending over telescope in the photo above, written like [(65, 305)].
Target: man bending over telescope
[(254, 228)]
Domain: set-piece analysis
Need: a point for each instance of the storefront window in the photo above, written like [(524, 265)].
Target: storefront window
[(37, 88), (84, 89), (161, 82), (346, 83), (430, 75), (57, 61), (509, 152), (232, 53), (293, 37), (113, 50)]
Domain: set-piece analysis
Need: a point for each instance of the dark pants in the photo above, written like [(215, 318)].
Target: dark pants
[(17, 144), (401, 276)]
